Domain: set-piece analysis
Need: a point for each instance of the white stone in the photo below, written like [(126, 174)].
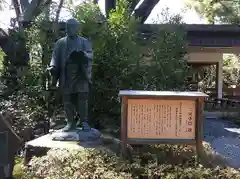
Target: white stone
[(77, 135), (65, 136)]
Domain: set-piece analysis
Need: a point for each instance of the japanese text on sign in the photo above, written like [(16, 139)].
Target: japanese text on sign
[(161, 119)]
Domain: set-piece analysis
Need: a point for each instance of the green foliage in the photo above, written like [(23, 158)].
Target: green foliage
[(2, 55), (18, 171), (231, 71), (122, 60), (217, 11), (205, 8), (40, 40), (119, 51), (174, 162), (29, 104)]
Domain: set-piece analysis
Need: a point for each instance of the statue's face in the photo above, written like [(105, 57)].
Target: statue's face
[(72, 29)]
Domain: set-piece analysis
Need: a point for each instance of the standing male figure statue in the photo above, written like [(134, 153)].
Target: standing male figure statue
[(71, 65)]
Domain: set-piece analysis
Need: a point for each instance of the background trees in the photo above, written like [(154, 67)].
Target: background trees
[(223, 11)]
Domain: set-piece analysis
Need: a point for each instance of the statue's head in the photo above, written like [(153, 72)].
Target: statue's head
[(72, 27)]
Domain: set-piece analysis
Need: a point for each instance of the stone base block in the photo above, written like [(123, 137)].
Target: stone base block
[(39, 146)]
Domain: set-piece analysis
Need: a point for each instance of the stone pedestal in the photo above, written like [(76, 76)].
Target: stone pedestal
[(77, 139)]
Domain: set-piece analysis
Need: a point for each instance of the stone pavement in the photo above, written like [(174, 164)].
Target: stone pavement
[(224, 138)]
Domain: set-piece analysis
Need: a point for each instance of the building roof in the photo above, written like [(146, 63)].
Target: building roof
[(197, 34), (204, 35), (192, 27)]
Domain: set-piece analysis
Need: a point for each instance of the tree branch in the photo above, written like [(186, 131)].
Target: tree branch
[(235, 16), (17, 9), (34, 8), (133, 4), (59, 10), (145, 9)]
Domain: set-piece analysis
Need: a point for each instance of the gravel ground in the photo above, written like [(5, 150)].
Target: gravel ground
[(224, 138)]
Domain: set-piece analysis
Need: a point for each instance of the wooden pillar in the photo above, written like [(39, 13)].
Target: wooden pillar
[(219, 79), (199, 127), (216, 79), (2, 173), (124, 126)]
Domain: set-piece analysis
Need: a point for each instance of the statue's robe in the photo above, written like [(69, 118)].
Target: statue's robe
[(73, 76)]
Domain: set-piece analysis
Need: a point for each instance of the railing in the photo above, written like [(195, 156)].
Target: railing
[(224, 104), (233, 93)]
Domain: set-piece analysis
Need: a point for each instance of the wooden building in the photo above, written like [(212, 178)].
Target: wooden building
[(206, 45)]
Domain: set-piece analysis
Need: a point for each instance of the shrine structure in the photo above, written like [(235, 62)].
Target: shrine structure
[(206, 45)]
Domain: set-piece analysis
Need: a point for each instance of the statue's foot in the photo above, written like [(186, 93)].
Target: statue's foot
[(85, 126), (52, 88), (78, 123), (69, 127)]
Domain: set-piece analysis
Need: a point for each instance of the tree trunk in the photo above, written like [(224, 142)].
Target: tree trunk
[(17, 9), (59, 10), (34, 9)]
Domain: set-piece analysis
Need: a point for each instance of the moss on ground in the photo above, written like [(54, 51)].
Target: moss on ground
[(155, 161)]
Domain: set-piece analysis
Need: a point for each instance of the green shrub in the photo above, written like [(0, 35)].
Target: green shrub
[(119, 61), (178, 162), (18, 171), (2, 55)]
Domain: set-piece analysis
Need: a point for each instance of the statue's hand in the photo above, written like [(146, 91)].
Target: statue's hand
[(86, 55), (52, 70), (52, 87), (90, 81), (53, 78)]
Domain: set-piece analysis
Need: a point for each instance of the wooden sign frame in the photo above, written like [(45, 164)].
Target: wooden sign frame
[(4, 149), (198, 97)]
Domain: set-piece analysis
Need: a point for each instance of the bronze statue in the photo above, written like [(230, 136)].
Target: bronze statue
[(71, 66)]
